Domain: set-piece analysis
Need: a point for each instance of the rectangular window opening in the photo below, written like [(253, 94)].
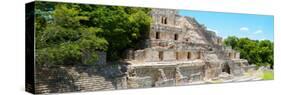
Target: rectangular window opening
[(157, 35), (176, 37), (177, 55), (188, 55), (160, 55)]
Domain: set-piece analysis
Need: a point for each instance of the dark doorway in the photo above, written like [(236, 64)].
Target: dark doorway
[(164, 20), (157, 35), (176, 36), (177, 55), (160, 55), (188, 55), (199, 55), (226, 68)]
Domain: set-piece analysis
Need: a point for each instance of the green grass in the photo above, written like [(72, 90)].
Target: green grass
[(268, 75)]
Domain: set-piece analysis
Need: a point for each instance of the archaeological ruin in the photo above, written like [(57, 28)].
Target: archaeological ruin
[(178, 51)]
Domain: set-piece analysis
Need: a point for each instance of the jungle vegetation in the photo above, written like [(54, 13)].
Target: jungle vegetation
[(67, 31)]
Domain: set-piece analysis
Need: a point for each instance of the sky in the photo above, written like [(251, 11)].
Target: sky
[(256, 27)]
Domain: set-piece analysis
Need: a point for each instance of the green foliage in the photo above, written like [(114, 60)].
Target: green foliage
[(231, 41), (259, 52), (268, 75), (65, 40), (66, 32), (123, 27)]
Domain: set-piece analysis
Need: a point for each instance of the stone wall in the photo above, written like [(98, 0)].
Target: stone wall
[(169, 56), (166, 75), (212, 69), (159, 15), (238, 66), (195, 72), (139, 82), (154, 55), (151, 55), (58, 79)]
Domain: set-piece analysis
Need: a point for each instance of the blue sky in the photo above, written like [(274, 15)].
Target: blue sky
[(257, 27)]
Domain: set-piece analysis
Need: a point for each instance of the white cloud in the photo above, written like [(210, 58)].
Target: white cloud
[(244, 29), (214, 30), (258, 32)]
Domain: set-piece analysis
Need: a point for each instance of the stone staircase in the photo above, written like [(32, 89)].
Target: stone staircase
[(94, 83), (60, 80)]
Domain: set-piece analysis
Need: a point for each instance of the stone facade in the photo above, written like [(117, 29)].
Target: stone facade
[(180, 51)]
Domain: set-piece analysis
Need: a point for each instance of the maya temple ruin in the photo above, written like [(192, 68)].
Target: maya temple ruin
[(177, 51), (180, 51)]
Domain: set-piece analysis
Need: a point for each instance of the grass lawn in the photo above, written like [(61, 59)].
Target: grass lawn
[(268, 75)]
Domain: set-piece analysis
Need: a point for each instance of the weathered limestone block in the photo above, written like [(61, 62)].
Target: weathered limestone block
[(237, 55), (183, 81), (163, 44), (153, 73), (161, 74), (140, 82), (132, 82), (169, 56), (139, 55), (212, 70), (250, 68), (195, 37), (233, 55), (164, 83), (169, 72), (182, 55), (235, 68), (151, 55), (164, 16), (121, 82), (196, 76), (178, 76), (195, 55)]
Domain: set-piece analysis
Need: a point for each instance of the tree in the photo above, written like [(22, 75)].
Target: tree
[(231, 41), (255, 51), (266, 52), (65, 40), (124, 27), (65, 32)]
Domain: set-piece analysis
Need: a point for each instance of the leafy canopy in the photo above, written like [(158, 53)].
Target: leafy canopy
[(259, 52), (66, 32)]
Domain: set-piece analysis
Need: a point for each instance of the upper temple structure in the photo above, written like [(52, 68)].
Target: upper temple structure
[(179, 51)]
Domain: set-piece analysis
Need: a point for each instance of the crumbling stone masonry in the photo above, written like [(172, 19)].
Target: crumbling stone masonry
[(180, 51)]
